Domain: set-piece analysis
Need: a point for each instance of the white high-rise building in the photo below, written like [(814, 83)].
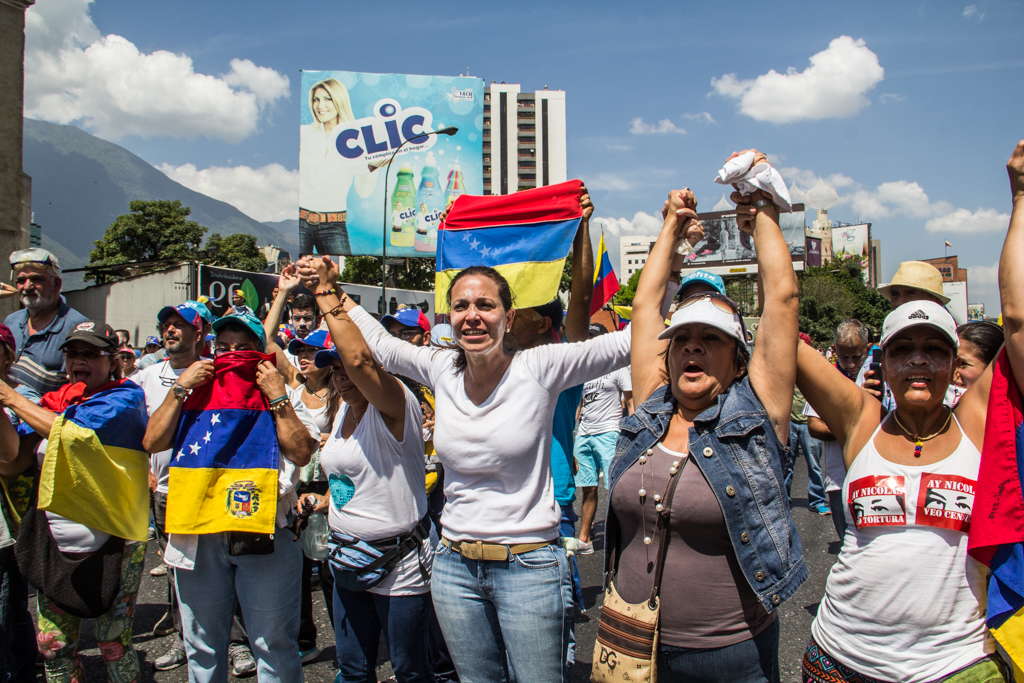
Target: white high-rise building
[(633, 252), (524, 138)]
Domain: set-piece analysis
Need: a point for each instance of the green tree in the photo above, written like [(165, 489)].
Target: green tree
[(234, 251), (415, 273), (154, 230), (834, 292), (624, 297)]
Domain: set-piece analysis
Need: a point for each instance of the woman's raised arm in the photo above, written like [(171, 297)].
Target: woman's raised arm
[(1011, 274)]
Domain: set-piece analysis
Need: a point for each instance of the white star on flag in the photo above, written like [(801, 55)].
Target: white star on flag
[(484, 250), (215, 418), (474, 243), (195, 448), (206, 439)]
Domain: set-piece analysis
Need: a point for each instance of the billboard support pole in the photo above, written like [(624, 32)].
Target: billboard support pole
[(450, 130)]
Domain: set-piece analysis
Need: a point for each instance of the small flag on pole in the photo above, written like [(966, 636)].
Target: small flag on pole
[(605, 282), (948, 244)]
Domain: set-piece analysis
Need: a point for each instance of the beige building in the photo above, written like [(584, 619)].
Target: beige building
[(524, 138)]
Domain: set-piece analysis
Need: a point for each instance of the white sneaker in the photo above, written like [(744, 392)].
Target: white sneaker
[(586, 548), (159, 570)]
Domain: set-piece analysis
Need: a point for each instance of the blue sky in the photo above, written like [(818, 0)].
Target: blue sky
[(910, 117)]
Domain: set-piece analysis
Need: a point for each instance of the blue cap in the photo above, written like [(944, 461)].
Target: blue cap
[(443, 335), (322, 359), (202, 309), (247, 320), (319, 339), (153, 341), (704, 277), (210, 337), (190, 315), (410, 317)]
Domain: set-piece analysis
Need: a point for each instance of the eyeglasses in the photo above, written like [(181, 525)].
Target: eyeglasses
[(87, 354), (407, 334), (127, 355), (719, 301)]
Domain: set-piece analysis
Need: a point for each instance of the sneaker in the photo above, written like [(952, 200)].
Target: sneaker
[(159, 570), (823, 510), (165, 626), (152, 533), (309, 655), (173, 658), (586, 548), (242, 663)]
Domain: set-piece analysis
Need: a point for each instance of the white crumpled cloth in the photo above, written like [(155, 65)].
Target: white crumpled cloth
[(737, 172)]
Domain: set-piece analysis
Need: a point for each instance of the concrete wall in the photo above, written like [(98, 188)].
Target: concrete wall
[(13, 227)]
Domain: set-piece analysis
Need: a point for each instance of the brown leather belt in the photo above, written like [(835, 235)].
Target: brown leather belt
[(316, 218), (478, 550)]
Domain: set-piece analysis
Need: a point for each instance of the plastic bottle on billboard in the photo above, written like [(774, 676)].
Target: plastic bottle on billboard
[(429, 205), (403, 208), (456, 184)]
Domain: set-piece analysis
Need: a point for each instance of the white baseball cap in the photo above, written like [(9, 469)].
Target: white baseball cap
[(914, 313), (711, 309)]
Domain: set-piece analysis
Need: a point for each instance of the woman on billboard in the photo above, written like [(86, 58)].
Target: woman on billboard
[(325, 176)]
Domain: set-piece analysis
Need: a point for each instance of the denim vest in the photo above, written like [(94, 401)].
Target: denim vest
[(736, 448)]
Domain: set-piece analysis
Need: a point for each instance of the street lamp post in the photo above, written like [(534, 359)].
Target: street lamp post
[(450, 130)]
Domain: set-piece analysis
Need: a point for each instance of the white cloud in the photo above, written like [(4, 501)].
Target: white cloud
[(75, 74), (268, 193), (702, 117), (833, 86), (609, 182), (639, 127), (983, 276), (887, 97), (641, 224), (972, 12), (964, 221)]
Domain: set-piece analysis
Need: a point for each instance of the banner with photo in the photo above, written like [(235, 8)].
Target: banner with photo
[(351, 126), (854, 240), (726, 250)]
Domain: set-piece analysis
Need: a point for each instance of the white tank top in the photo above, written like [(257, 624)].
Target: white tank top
[(904, 602)]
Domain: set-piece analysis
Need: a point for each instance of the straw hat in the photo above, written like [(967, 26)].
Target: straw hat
[(917, 275)]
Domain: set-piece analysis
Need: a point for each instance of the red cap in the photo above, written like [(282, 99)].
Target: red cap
[(7, 337), (806, 340)]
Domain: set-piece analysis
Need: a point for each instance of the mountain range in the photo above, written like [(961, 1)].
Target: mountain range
[(81, 184)]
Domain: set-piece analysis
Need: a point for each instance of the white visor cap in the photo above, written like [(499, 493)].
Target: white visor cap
[(706, 313), (914, 313)]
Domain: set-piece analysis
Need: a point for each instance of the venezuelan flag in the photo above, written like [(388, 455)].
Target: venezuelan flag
[(524, 236), (605, 282), (95, 471), (223, 474), (997, 521)]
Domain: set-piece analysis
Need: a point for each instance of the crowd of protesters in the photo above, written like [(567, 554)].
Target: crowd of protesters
[(426, 475)]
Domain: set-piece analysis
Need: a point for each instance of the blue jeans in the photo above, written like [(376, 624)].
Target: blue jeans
[(325, 238), (497, 614), (755, 660), (811, 447), (567, 528), (359, 619), (267, 587)]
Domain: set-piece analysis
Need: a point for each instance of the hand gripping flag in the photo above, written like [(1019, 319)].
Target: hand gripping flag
[(95, 471), (605, 282), (997, 523), (524, 236), (223, 474)]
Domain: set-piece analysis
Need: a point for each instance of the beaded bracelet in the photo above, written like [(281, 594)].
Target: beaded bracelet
[(326, 292), (278, 403)]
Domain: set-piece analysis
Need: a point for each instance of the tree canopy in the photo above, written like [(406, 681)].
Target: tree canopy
[(160, 229), (415, 273)]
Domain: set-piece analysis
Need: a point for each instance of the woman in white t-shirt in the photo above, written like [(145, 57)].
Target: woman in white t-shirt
[(499, 572), (904, 602), (373, 460)]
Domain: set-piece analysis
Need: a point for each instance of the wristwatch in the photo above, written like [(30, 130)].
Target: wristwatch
[(180, 392)]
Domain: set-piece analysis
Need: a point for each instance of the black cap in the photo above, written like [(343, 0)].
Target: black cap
[(597, 330), (552, 310), (95, 333)]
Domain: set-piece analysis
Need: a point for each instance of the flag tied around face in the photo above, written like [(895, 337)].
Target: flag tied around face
[(223, 473), (605, 282), (997, 524), (525, 236), (96, 471)]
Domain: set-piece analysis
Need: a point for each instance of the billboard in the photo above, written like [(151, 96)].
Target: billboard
[(975, 311), (351, 126), (725, 250), (854, 240), (813, 251)]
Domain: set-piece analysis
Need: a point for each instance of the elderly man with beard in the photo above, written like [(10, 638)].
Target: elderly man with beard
[(41, 326)]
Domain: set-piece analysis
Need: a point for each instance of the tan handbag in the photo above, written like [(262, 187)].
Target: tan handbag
[(627, 636)]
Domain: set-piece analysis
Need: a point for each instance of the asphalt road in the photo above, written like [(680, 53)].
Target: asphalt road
[(820, 543)]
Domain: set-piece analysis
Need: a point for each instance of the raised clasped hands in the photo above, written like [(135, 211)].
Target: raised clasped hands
[(683, 204), (289, 278), (316, 269), (1015, 168)]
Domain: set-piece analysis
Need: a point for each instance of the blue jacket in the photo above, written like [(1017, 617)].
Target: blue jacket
[(735, 445)]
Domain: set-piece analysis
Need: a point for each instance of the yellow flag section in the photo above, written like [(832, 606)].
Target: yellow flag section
[(212, 500), (95, 471), (533, 284)]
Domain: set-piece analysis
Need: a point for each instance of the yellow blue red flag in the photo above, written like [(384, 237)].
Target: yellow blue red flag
[(524, 236), (223, 473), (95, 471), (605, 282)]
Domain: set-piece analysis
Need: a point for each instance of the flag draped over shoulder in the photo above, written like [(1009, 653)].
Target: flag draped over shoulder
[(605, 282), (96, 471), (997, 523), (223, 473), (524, 236)]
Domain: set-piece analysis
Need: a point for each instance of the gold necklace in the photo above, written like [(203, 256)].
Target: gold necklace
[(918, 439), (322, 399)]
